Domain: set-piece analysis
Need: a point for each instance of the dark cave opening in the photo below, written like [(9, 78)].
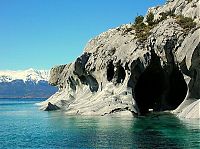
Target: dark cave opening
[(159, 89), (93, 84), (155, 90), (110, 71), (149, 88), (91, 81), (120, 74), (177, 89)]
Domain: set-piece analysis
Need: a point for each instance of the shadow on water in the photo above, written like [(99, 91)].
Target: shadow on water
[(154, 131), (159, 131)]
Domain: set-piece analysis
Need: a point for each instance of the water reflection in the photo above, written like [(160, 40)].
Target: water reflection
[(154, 131), (157, 131)]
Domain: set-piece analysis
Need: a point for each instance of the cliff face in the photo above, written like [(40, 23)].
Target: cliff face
[(120, 74)]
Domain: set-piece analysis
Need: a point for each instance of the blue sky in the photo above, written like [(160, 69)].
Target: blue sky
[(40, 34)]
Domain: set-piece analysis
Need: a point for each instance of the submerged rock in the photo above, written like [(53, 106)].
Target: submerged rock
[(118, 72), (51, 107)]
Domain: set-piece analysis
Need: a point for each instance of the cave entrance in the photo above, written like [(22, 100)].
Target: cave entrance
[(177, 89), (158, 90), (149, 89), (110, 71), (150, 86)]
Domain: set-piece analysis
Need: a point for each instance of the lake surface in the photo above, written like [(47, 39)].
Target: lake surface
[(22, 125)]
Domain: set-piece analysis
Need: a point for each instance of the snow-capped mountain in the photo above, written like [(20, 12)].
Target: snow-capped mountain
[(25, 75), (29, 83)]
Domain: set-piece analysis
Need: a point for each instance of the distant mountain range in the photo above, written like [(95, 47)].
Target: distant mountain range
[(25, 84)]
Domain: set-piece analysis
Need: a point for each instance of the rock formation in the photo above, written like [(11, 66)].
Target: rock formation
[(119, 73), (50, 107)]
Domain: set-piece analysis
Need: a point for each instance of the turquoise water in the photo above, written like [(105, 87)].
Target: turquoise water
[(22, 125)]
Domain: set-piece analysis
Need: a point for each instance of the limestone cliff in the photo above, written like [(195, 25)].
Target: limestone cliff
[(122, 73)]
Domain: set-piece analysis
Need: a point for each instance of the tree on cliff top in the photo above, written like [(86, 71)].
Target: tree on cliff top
[(150, 19)]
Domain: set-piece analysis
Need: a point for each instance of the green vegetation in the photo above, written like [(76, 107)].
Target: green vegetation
[(188, 1), (164, 15), (150, 19), (186, 23), (139, 19), (142, 30)]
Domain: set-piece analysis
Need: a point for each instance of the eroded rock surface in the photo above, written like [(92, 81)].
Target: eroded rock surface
[(118, 73)]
